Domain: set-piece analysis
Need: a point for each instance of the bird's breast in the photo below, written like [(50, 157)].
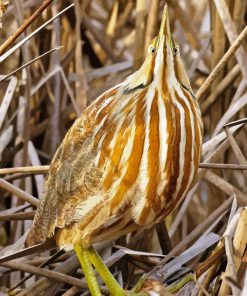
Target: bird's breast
[(150, 152)]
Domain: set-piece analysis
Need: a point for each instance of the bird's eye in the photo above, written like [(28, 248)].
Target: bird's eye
[(151, 49), (176, 50)]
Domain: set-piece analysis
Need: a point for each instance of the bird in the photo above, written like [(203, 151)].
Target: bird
[(126, 163)]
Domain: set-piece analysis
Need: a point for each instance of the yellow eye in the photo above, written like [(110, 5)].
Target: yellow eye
[(151, 49)]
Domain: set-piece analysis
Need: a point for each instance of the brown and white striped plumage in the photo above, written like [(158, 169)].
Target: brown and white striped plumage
[(130, 158)]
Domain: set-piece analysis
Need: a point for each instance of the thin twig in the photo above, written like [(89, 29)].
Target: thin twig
[(23, 41), (18, 192), (208, 82), (23, 27), (43, 169), (231, 32), (223, 166), (236, 150), (54, 275), (18, 216), (29, 169), (29, 63)]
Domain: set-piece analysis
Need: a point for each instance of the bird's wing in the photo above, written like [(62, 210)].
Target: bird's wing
[(80, 162)]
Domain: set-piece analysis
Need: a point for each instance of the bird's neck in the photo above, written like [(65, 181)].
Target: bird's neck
[(142, 77)]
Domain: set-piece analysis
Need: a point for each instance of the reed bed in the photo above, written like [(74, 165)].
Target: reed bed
[(56, 57)]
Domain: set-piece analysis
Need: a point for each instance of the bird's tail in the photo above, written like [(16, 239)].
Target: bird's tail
[(33, 239)]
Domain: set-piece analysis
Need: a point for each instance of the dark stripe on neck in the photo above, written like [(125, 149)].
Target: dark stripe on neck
[(188, 90), (140, 86)]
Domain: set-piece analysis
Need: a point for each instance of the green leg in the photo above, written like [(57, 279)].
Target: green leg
[(107, 277), (84, 258)]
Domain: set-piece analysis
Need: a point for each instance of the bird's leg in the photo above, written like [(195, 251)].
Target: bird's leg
[(84, 258), (107, 277), (89, 256)]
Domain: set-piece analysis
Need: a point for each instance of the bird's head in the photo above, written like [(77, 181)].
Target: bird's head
[(163, 62)]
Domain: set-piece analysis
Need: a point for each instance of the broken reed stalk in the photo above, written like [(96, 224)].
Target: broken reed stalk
[(194, 234), (212, 269), (239, 247), (210, 261)]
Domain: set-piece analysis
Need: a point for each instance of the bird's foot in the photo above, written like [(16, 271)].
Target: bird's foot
[(175, 287), (136, 290), (148, 286), (140, 293), (139, 284)]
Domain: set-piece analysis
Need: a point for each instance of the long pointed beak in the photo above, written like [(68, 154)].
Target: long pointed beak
[(164, 29)]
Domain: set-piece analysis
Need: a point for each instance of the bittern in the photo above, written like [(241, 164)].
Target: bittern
[(126, 162)]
